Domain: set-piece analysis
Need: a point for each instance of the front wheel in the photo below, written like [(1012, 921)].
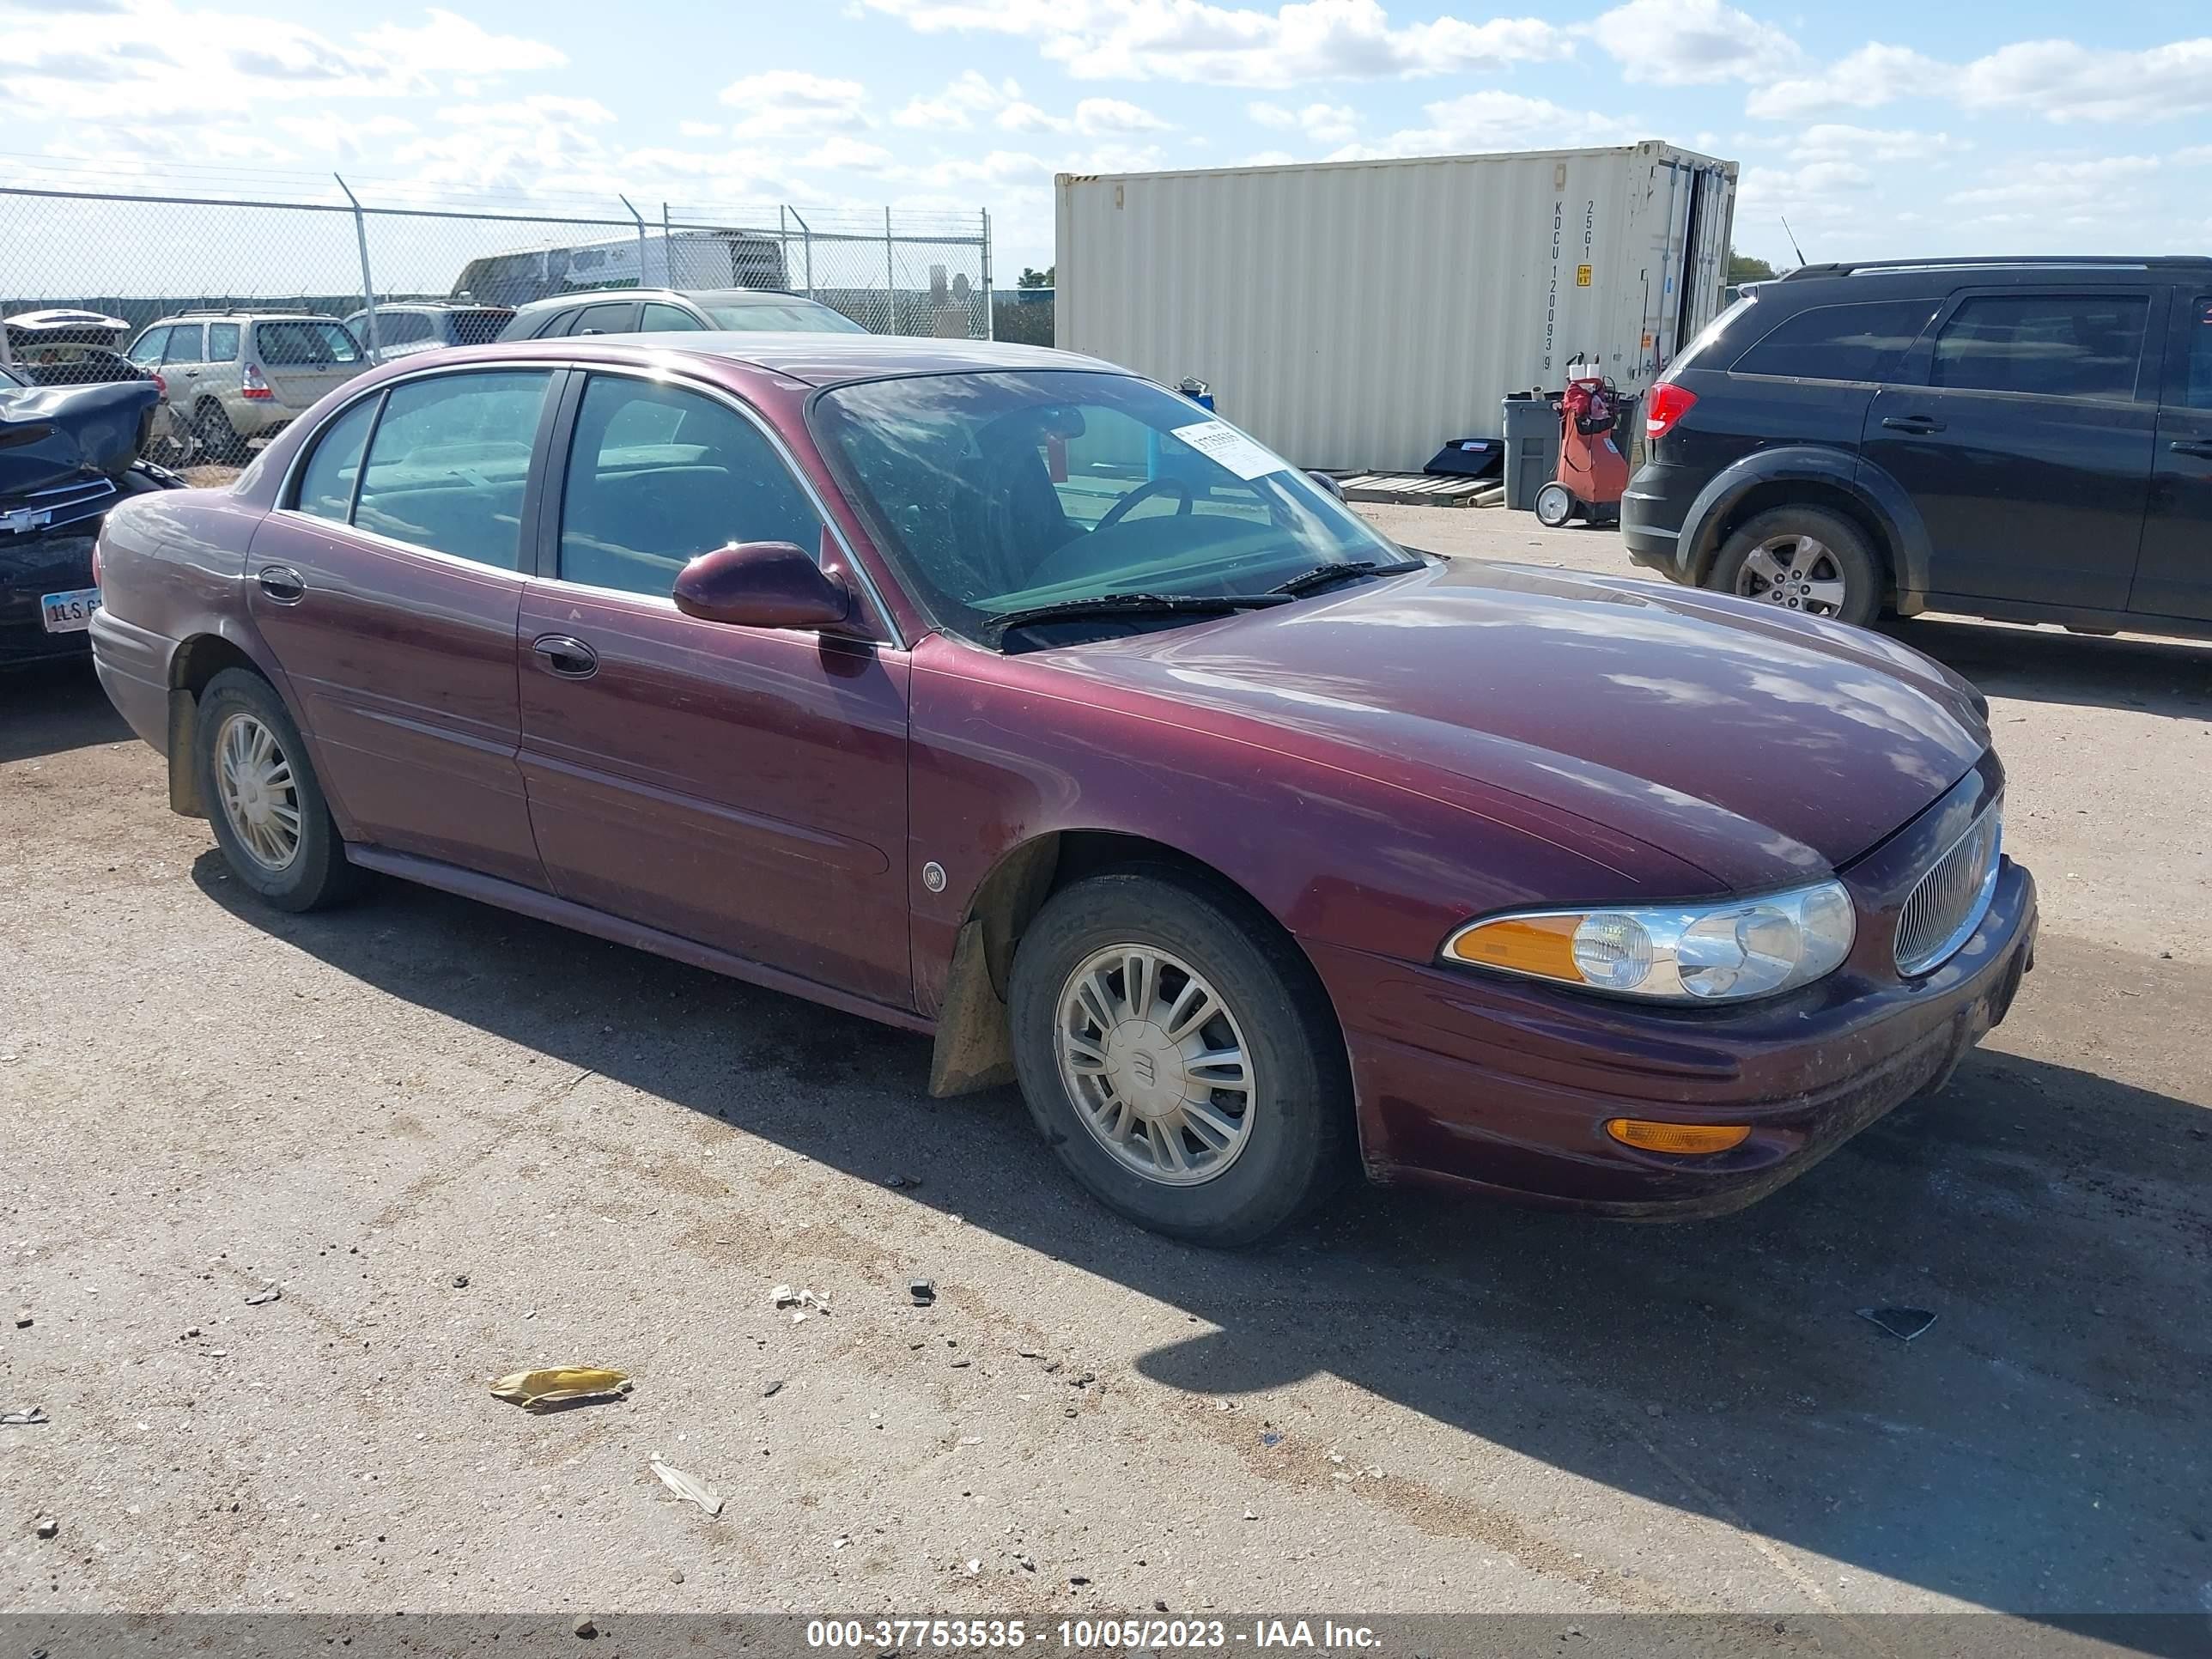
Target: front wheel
[(1180, 1056), (1555, 504), (270, 818), (1805, 559)]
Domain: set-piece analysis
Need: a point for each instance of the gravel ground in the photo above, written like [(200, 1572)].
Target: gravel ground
[(460, 1143)]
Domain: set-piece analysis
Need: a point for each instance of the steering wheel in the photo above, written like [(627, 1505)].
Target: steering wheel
[(1151, 487)]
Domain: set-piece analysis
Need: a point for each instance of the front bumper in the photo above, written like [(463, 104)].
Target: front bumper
[(1470, 1081)]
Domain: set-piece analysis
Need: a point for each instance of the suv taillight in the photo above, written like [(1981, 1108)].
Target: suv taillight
[(251, 384), (1663, 405)]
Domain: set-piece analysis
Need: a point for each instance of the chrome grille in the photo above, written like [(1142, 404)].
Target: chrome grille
[(1947, 904), (47, 509)]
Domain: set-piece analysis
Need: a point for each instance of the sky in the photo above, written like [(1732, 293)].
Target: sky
[(1875, 128)]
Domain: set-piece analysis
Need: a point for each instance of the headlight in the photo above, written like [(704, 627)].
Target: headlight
[(1726, 952)]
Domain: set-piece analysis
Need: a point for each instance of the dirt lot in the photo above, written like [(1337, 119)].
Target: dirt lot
[(462, 1143)]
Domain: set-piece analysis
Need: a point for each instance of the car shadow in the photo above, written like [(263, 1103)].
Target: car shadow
[(2171, 677), (2039, 1450), (47, 708)]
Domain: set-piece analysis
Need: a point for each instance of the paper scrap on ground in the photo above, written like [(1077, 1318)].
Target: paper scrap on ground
[(552, 1384), (690, 1487), (1231, 448)]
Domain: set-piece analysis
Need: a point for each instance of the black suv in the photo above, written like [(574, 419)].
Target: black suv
[(2024, 438)]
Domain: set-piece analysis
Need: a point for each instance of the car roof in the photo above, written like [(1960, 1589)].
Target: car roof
[(809, 359), (720, 296)]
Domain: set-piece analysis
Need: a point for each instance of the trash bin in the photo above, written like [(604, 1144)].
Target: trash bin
[(1532, 447)]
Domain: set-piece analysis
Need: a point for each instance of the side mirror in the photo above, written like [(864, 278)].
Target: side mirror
[(762, 585), (1327, 483)]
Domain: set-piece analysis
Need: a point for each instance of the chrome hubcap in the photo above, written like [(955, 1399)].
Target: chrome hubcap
[(260, 800), (1795, 572), (1155, 1064)]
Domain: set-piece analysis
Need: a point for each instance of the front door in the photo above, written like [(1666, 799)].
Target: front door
[(2175, 576), (742, 788), (2027, 445), (390, 598)]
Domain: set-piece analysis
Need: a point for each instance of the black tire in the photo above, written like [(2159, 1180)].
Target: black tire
[(219, 440), (1555, 504), (1842, 541), (1299, 1145), (317, 873)]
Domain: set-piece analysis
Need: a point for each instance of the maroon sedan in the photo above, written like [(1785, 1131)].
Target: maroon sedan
[(1004, 696)]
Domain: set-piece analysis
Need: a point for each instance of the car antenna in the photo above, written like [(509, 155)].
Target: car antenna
[(1792, 235)]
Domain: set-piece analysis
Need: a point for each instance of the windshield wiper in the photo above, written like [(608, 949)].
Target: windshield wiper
[(1323, 575), (1138, 604)]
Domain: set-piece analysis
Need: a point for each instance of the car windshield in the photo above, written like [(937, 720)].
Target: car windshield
[(791, 316), (1009, 492)]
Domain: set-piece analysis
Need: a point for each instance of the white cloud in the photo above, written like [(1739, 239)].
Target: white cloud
[(1100, 116), (2060, 81), (1831, 142), (842, 152), (783, 103), (1691, 43), (971, 95), (1491, 121), (1325, 123), (700, 129), (1240, 46)]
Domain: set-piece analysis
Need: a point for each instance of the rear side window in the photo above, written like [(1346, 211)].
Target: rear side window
[(326, 481), (1862, 342), (657, 476), (2198, 394), (447, 467), (222, 343), (310, 343), (2055, 345)]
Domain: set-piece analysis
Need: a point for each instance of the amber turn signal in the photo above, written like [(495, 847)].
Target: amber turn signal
[(1676, 1137)]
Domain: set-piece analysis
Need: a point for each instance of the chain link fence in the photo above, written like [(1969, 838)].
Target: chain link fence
[(84, 276)]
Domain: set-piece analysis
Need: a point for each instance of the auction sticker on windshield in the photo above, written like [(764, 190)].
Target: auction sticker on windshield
[(1231, 448), (71, 612)]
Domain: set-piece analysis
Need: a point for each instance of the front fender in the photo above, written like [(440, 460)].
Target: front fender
[(1880, 496)]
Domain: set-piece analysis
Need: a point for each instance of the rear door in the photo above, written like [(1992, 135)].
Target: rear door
[(304, 357), (2026, 442), (742, 786), (2174, 578), (389, 594)]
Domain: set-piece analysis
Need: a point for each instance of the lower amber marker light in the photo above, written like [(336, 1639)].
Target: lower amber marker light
[(1684, 1138)]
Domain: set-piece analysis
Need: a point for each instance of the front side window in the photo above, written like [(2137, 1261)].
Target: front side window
[(796, 316), (661, 318), (659, 475), (607, 320), (1007, 492), (2055, 345), (146, 352), (559, 323), (222, 343), (307, 343), (2199, 392), (326, 481), (448, 461), (184, 345), (1860, 341)]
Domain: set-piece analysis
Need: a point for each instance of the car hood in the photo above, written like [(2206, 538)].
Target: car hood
[(1759, 746)]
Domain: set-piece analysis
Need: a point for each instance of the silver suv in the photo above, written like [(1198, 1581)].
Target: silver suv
[(409, 326), (231, 377)]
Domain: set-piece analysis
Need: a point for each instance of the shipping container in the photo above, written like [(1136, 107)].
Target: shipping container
[(1361, 314)]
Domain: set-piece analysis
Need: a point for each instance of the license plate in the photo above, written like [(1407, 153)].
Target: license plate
[(69, 613)]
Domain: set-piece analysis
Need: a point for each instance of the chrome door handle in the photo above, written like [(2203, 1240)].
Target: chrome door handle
[(282, 583), (571, 659)]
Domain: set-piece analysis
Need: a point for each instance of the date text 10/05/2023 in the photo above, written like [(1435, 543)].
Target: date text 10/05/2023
[(1289, 1636)]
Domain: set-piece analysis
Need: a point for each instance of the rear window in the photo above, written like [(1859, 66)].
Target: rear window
[(2055, 345), (309, 343), (1867, 341)]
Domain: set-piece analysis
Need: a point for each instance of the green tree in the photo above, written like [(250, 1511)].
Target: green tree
[(1743, 268), (1044, 278)]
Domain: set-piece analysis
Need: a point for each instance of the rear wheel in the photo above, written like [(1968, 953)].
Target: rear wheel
[(1555, 504), (1805, 559), (269, 816), (218, 440), (1180, 1056)]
